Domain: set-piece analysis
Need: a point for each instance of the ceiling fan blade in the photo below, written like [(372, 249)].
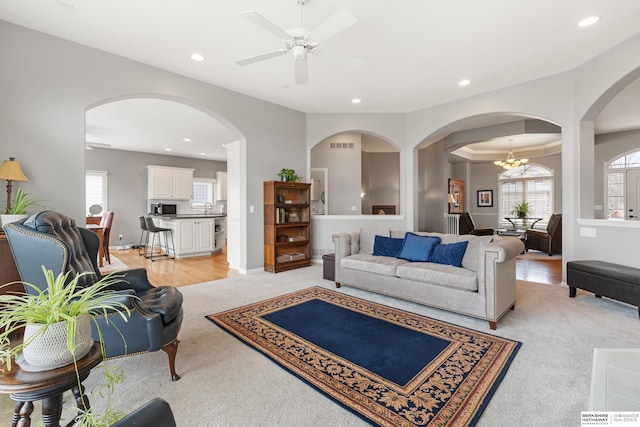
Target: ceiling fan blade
[(265, 24), (340, 58), (339, 21), (261, 57), (302, 71)]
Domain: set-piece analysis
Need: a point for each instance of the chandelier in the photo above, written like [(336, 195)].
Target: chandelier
[(510, 162)]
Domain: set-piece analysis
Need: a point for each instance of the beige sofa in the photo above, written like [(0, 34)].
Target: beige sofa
[(484, 286)]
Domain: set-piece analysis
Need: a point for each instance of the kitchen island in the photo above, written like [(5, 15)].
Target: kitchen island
[(195, 234)]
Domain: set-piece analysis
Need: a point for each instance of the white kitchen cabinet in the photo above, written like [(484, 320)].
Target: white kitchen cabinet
[(221, 185), (193, 236), (196, 236), (169, 183), (219, 234)]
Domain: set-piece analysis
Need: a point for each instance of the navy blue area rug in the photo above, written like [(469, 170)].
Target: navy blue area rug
[(391, 367)]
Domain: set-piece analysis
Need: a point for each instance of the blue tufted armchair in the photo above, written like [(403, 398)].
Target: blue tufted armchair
[(52, 239)]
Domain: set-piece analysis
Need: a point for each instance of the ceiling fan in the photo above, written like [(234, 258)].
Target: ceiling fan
[(300, 42)]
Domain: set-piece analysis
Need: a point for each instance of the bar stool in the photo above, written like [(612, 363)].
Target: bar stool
[(144, 237), (167, 233)]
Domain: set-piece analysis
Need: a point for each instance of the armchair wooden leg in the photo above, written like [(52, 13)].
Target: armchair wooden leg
[(171, 349)]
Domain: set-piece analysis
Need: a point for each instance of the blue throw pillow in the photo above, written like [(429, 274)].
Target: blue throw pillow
[(417, 248), (387, 246), (450, 254)]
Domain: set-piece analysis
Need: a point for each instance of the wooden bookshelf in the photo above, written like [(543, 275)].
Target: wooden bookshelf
[(287, 225)]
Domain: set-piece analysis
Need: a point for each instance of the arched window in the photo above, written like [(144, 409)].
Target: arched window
[(530, 183), (617, 182)]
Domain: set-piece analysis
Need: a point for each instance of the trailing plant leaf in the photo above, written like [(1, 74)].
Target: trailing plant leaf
[(65, 299), (62, 300)]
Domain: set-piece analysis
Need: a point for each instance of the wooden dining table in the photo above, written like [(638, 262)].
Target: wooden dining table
[(96, 228)]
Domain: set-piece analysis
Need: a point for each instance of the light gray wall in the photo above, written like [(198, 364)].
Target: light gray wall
[(127, 172), (50, 84), (380, 180), (344, 172), (609, 147), (432, 187)]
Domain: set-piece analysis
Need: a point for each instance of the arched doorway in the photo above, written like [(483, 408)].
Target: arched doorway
[(466, 150), (126, 134)]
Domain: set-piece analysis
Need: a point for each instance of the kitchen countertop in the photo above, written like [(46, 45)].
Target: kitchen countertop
[(187, 216)]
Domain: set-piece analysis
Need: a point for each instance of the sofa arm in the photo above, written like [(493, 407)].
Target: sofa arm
[(506, 247), (345, 243), (341, 244)]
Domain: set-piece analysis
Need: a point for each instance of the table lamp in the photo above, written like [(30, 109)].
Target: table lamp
[(11, 171)]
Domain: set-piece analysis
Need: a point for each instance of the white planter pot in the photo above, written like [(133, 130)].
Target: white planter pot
[(6, 218), (50, 349)]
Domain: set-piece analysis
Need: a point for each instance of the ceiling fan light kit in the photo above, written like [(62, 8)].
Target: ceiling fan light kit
[(299, 42)]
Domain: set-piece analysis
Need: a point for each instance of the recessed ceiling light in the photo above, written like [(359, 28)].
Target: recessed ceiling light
[(187, 139), (197, 57), (588, 21), (167, 149), (202, 154), (464, 82), (356, 100)]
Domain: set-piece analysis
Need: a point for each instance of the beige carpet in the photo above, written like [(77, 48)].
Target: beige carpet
[(226, 383), (115, 265)]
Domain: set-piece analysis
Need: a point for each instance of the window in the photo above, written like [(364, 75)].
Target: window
[(531, 183), (95, 189), (616, 186), (202, 192)]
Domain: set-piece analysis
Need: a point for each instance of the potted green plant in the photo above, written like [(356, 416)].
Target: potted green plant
[(288, 175), (20, 206), (521, 209), (65, 308)]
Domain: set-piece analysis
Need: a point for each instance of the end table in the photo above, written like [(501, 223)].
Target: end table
[(25, 387)]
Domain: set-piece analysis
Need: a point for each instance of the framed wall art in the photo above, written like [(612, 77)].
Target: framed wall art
[(455, 198), (485, 198)]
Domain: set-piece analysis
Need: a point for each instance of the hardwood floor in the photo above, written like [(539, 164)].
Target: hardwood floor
[(547, 271), (187, 271), (179, 272)]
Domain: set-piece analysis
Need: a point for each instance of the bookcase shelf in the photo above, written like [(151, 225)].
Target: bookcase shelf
[(287, 225)]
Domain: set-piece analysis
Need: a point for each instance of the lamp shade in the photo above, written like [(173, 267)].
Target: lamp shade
[(452, 199), (11, 170)]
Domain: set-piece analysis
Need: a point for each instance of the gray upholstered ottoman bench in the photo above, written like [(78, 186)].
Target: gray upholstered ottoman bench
[(615, 281)]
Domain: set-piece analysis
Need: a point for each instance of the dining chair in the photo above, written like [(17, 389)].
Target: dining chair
[(105, 223)]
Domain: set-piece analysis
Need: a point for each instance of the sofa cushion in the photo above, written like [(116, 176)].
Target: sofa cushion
[(417, 248), (387, 246), (439, 274), (450, 254), (383, 265), (367, 238)]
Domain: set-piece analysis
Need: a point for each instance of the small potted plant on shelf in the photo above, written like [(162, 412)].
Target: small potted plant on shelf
[(288, 175), (521, 209), (57, 330), (19, 207)]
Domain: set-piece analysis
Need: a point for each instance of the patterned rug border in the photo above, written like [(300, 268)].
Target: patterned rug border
[(468, 398)]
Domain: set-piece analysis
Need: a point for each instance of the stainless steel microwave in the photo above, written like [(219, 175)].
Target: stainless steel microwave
[(163, 209)]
